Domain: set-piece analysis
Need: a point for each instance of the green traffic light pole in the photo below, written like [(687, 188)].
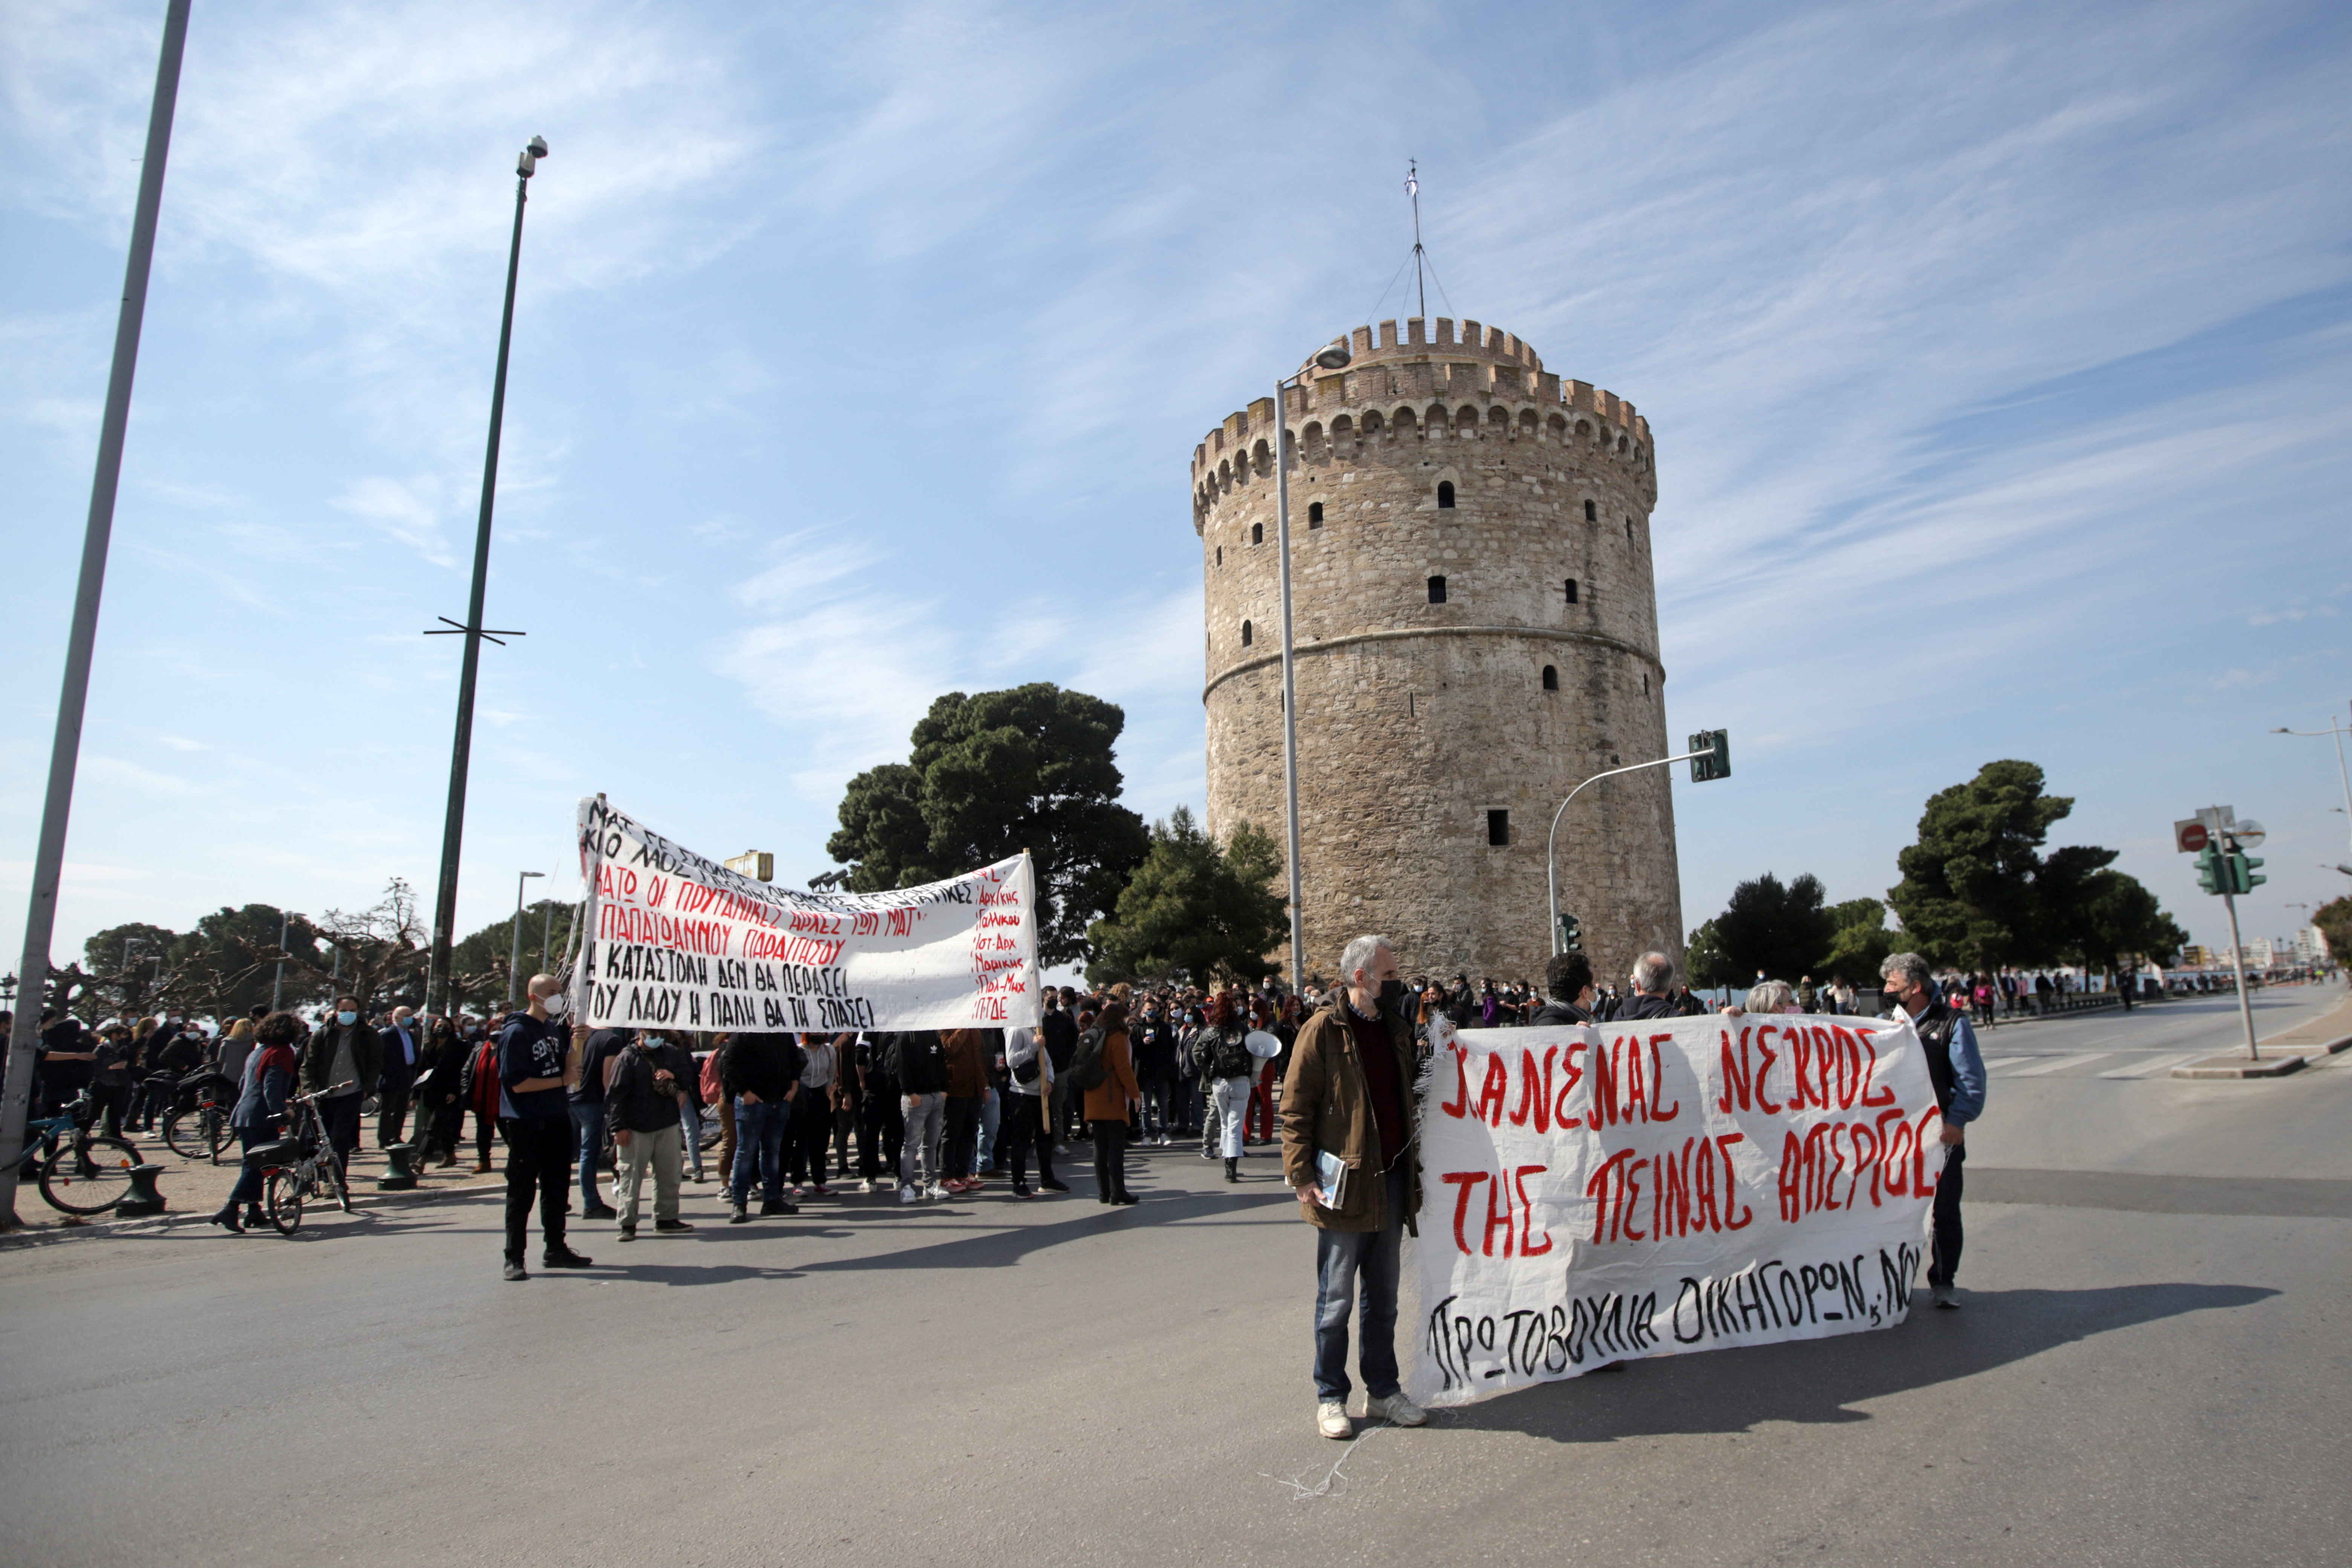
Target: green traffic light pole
[(2237, 948), (1713, 748)]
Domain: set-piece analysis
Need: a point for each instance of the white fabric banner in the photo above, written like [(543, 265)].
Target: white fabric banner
[(1594, 1194), (677, 941)]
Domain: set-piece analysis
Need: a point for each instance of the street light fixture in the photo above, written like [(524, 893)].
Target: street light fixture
[(1333, 356), (453, 829), (2339, 732), (514, 960), (1715, 751)]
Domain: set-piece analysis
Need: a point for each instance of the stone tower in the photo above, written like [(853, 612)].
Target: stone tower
[(1477, 630)]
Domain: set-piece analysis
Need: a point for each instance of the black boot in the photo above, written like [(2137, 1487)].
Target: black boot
[(1233, 1170), (226, 1220)]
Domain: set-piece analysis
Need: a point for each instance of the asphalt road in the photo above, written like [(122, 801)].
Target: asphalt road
[(2150, 1369)]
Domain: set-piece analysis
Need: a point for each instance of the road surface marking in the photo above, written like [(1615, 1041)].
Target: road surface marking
[(2056, 1064), (2152, 1069)]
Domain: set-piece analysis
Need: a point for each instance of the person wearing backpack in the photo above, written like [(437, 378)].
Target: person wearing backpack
[(1105, 1069), (1223, 1052), (1030, 1072)]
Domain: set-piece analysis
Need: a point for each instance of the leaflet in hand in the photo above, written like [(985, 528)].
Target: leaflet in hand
[(1331, 1176)]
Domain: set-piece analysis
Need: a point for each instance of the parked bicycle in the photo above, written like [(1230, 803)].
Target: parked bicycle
[(80, 1171), (197, 1127), (303, 1165)]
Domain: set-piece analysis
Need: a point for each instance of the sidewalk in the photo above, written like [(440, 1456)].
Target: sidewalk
[(2283, 1053)]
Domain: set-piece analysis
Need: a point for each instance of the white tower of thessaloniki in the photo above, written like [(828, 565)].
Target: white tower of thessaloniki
[(1477, 630)]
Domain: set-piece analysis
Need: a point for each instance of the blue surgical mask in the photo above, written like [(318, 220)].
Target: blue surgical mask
[(346, 1018)]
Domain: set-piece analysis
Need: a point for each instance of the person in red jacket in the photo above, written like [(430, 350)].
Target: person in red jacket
[(481, 1092)]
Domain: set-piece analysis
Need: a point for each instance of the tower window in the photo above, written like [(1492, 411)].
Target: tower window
[(1591, 513), (1572, 589), (1645, 685), (1551, 677), (1629, 531), (1257, 532), (1498, 829), (1315, 514), (1220, 555), (1437, 590), (1445, 495), (1245, 634)]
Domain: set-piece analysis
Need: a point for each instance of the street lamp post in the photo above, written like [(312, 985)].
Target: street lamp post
[(278, 980), (1333, 356), (514, 959), (81, 636), (2342, 773), (1551, 841), (453, 829)]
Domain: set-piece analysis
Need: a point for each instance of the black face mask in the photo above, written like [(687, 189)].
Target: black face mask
[(1391, 993)]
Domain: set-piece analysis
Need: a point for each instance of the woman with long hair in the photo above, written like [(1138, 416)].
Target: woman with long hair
[(1109, 1104), (1221, 1048), (260, 1110)]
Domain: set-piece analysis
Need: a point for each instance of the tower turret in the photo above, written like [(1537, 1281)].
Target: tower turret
[(1477, 630)]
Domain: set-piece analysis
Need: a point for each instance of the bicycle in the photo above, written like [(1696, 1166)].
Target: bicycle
[(80, 1172), (201, 1130), (305, 1164)]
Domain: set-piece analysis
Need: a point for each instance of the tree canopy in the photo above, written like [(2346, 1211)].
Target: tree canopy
[(992, 775), (1860, 943), (2333, 919), (1783, 932), (2116, 919), (1195, 911), (1976, 888)]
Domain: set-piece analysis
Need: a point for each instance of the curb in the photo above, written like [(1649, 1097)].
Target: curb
[(49, 1236), (2295, 1059)]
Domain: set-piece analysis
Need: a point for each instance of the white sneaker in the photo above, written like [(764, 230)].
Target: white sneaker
[(938, 1190), (1397, 1411), (866, 1186), (1331, 1420), (908, 1195)]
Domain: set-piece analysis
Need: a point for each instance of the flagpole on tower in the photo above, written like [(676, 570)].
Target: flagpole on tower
[(1412, 189)]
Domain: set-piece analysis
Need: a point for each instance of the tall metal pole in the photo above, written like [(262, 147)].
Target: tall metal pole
[(546, 935), (2238, 964), (278, 980), (1289, 684), (65, 750), (514, 956), (453, 826), (1551, 841)]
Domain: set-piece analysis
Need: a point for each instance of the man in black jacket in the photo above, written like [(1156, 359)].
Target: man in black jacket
[(397, 1080), (762, 1073), (918, 1058), (344, 1054), (1568, 983), (1653, 978), (642, 1094), (1059, 1026)]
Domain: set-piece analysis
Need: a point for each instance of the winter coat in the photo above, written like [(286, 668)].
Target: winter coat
[(1327, 1107), (1108, 1101)]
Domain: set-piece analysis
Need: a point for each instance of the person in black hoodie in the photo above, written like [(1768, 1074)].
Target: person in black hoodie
[(918, 1060), (761, 1074), (642, 1091), (1059, 1028)]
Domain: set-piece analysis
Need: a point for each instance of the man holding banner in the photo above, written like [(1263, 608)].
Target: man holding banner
[(1348, 1151), (1957, 1069)]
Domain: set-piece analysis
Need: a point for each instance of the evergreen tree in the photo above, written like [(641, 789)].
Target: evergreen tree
[(1194, 911)]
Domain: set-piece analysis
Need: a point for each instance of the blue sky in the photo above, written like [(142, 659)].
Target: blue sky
[(1997, 356)]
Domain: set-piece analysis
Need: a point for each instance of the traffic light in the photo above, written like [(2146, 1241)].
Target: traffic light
[(1715, 759), (2213, 870), (1571, 934), (2243, 878)]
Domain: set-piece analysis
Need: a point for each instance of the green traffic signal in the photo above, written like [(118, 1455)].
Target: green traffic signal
[(1571, 934), (1713, 760), (2213, 870), (2243, 878)]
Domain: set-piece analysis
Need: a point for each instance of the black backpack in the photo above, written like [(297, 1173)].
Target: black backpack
[(1087, 1068)]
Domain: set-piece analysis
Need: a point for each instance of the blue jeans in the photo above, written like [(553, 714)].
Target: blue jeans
[(760, 1148), (588, 1149), (1342, 1258), (250, 1181), (689, 1127)]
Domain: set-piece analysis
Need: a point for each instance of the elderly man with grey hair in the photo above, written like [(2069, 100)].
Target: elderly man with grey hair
[(1958, 1073), (1347, 1109), (1654, 979)]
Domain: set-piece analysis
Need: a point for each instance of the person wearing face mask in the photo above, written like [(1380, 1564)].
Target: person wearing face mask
[(1348, 1098), (1652, 978), (1955, 1071), (1568, 983), (345, 1055), (537, 1063)]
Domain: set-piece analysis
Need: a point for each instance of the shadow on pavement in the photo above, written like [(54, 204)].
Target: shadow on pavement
[(1819, 1381)]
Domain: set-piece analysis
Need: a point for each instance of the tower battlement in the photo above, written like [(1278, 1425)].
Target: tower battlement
[(1409, 384)]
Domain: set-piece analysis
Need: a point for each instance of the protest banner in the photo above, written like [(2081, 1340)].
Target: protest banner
[(677, 941), (1595, 1193)]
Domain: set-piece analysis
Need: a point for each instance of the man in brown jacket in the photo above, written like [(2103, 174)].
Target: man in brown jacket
[(1348, 1095)]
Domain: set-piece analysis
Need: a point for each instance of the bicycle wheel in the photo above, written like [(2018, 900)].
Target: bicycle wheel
[(184, 1135), (217, 1131), (90, 1176), (282, 1195)]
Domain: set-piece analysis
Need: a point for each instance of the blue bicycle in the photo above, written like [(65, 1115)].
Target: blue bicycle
[(80, 1172)]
